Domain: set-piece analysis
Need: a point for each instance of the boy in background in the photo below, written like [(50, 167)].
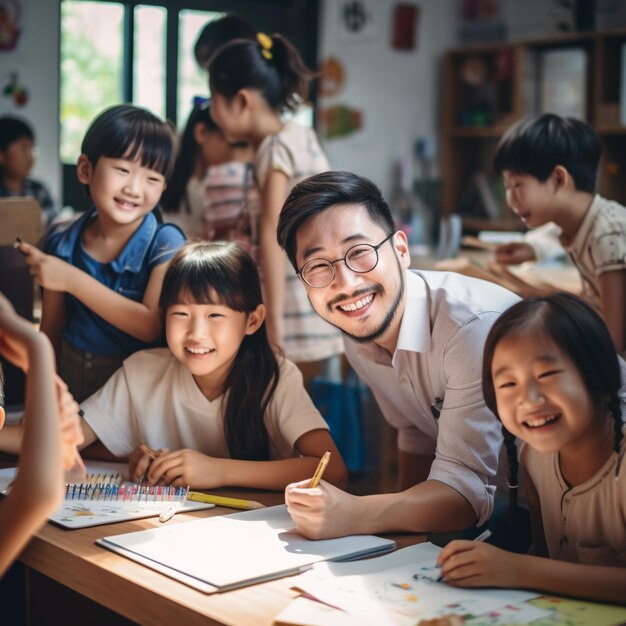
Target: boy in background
[(17, 144), (549, 165)]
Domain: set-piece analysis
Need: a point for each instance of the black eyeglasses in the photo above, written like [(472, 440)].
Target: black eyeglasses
[(360, 259)]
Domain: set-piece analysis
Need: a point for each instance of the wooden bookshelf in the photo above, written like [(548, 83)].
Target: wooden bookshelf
[(476, 114)]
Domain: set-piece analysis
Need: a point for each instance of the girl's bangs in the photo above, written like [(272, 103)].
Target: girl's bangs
[(152, 144), (208, 284)]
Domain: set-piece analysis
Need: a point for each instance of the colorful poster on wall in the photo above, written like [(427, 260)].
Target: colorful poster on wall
[(340, 120), (332, 78), (10, 24), (15, 91), (405, 23)]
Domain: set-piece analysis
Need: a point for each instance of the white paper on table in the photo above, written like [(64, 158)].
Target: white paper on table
[(305, 612), (398, 589), (522, 613)]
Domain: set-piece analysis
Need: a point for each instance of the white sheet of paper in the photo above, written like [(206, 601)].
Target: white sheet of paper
[(304, 612), (230, 551), (399, 589)]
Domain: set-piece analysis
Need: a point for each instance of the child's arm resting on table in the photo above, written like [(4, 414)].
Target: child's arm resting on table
[(139, 319), (38, 487), (189, 467), (472, 564)]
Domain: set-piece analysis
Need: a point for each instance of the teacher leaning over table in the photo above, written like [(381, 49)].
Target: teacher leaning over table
[(416, 339)]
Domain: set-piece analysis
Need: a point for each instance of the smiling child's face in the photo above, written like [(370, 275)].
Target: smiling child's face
[(540, 394), (530, 199), (206, 338), (123, 190)]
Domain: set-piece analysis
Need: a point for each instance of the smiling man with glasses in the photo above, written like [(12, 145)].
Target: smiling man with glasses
[(416, 339)]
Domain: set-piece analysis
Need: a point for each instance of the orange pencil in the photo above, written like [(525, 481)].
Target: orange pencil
[(315, 481)]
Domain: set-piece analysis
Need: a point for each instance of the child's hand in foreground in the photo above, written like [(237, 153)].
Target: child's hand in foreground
[(69, 423), (478, 564), (139, 461), (187, 467)]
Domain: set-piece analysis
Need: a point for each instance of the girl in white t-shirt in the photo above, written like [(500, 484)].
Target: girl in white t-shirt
[(218, 406), (253, 83), (552, 376)]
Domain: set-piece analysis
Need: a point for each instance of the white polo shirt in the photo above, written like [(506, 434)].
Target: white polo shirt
[(436, 370)]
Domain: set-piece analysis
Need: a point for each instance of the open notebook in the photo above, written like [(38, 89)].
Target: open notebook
[(106, 506), (231, 551)]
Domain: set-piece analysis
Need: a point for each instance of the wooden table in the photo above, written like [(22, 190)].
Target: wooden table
[(139, 594)]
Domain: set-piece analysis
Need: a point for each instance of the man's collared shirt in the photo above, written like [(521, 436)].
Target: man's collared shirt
[(430, 388)]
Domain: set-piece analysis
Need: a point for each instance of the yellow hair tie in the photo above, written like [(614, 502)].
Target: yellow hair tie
[(266, 43)]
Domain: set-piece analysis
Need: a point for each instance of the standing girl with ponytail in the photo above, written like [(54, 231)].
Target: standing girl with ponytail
[(552, 376), (253, 82)]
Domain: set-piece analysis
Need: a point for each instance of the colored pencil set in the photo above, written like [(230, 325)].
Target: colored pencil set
[(108, 491)]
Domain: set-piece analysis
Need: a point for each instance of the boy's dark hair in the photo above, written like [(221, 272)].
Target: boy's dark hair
[(12, 129), (126, 131), (280, 75), (581, 334), (535, 145), (219, 32), (317, 193), (223, 273), (186, 157)]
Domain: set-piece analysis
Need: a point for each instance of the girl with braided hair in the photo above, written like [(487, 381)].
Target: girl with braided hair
[(552, 376)]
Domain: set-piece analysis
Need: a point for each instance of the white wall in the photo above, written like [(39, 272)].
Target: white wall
[(397, 91), (36, 59)]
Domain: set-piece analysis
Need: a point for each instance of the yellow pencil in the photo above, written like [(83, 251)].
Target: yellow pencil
[(233, 503), (315, 481)]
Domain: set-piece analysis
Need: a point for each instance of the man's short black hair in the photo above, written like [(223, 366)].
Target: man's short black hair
[(537, 144), (12, 129), (317, 193)]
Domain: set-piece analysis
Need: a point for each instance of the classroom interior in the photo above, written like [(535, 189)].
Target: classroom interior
[(413, 95)]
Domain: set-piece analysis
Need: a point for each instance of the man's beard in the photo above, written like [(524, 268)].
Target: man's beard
[(386, 323)]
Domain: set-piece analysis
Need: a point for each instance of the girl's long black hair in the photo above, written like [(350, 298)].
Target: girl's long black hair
[(186, 156), (582, 335), (223, 273)]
